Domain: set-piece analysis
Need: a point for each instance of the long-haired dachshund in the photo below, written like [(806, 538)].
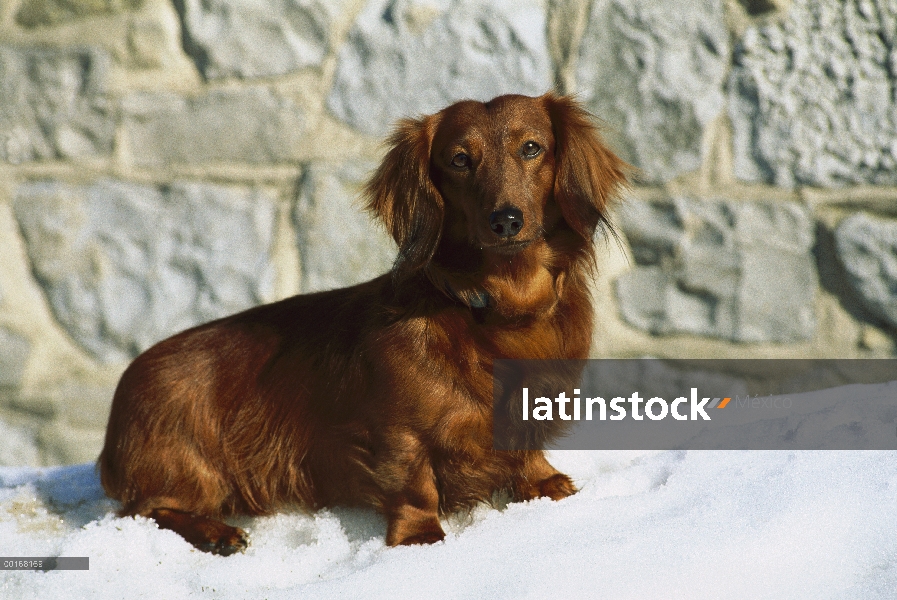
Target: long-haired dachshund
[(380, 394)]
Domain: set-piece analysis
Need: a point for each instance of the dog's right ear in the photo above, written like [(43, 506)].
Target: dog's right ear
[(403, 196)]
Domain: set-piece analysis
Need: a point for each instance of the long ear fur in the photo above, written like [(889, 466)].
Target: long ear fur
[(403, 196), (588, 175)]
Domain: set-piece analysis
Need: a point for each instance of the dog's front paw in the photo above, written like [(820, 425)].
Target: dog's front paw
[(556, 487), (424, 537), (411, 529)]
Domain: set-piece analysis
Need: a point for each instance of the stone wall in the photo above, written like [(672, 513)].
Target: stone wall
[(166, 162)]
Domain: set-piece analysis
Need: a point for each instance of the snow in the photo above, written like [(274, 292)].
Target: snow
[(645, 524)]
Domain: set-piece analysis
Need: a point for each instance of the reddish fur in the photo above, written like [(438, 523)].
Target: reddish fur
[(381, 394)]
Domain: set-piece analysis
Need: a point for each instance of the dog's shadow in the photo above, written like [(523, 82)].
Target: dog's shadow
[(68, 496), (52, 501)]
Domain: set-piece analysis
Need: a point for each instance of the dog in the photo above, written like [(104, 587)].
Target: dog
[(380, 394)]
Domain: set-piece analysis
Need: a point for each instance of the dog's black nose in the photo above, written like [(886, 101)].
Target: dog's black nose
[(506, 222)]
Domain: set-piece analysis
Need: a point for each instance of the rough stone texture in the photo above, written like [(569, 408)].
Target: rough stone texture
[(147, 44), (654, 71), (257, 38), (761, 7), (410, 57), (339, 242), (53, 104), (14, 351), (33, 13), (733, 270), (252, 125), (124, 265), (92, 93), (814, 97), (19, 446), (62, 444), (82, 404), (867, 247)]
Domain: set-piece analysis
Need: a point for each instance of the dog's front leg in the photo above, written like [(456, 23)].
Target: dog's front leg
[(410, 494), (538, 479)]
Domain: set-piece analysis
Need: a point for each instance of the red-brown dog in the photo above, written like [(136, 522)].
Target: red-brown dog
[(381, 394)]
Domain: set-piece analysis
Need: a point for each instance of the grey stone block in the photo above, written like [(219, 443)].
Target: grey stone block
[(654, 72), (63, 444), (739, 271), (124, 265), (257, 39), (14, 351), (147, 44), (411, 57), (19, 447), (53, 104), (83, 404), (252, 125), (339, 242), (813, 98), (33, 13), (867, 247)]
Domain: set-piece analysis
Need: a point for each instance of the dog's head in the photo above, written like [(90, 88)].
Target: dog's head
[(493, 177)]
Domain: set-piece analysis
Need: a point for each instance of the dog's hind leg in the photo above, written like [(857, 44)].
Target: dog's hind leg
[(180, 493), (205, 533)]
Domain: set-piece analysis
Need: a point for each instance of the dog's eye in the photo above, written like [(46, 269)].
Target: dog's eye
[(531, 149), (461, 160)]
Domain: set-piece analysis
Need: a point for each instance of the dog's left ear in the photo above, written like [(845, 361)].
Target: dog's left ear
[(403, 196), (588, 175)]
